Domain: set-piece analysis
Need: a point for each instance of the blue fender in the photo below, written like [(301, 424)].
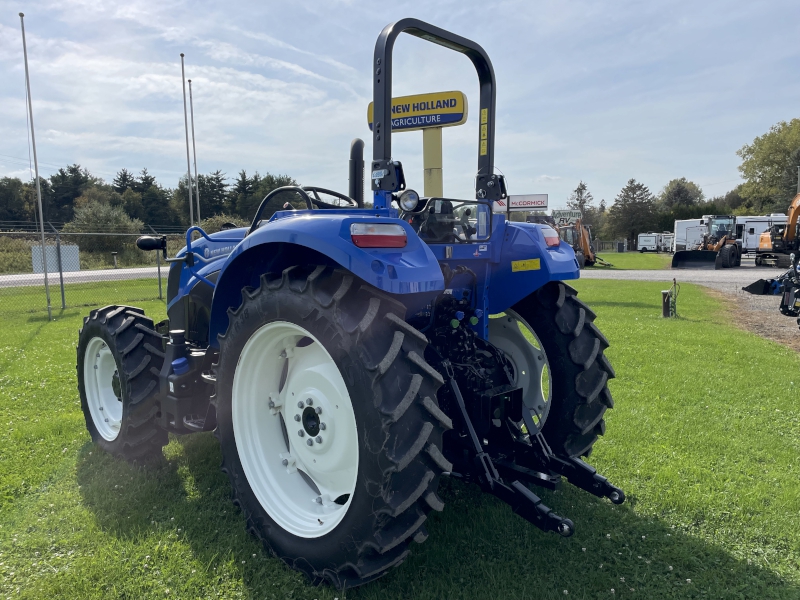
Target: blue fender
[(526, 264), (412, 271)]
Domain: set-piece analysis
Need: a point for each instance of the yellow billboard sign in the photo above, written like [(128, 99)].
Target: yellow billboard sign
[(439, 109)]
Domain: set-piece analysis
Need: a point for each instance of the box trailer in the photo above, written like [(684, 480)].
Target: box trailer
[(688, 234), (648, 242), (750, 228), (667, 241)]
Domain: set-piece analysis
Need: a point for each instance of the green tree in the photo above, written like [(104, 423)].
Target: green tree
[(213, 193), (156, 205), (680, 192), (241, 190), (96, 217), (581, 199), (264, 186), (769, 168), (104, 194), (66, 185), (143, 182), (633, 211), (123, 181), (12, 201), (132, 204), (221, 221)]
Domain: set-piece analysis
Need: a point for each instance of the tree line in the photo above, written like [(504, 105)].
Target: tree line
[(769, 168), (74, 195)]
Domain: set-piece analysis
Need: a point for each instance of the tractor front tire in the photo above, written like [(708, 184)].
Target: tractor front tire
[(119, 359), (579, 371), (329, 424), (727, 256)]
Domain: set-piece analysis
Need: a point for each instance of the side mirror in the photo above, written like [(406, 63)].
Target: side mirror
[(148, 242)]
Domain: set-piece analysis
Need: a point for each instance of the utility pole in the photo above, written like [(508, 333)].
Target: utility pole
[(36, 166), (194, 153), (188, 165)]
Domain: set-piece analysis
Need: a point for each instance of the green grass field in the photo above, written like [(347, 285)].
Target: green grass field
[(703, 439), (636, 260)]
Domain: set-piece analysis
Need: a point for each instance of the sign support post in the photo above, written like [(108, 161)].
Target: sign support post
[(433, 182)]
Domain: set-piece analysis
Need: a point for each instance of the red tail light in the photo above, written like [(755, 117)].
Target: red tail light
[(550, 235), (378, 235)]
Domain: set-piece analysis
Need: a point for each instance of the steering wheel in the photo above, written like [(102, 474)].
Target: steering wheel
[(316, 191)]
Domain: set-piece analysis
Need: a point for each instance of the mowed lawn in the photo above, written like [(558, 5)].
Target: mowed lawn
[(635, 260), (704, 439)]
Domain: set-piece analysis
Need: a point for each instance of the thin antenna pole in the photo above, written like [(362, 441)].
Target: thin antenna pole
[(188, 166), (36, 167), (798, 179), (194, 153)]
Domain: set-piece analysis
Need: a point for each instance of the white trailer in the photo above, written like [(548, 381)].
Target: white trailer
[(688, 234), (749, 229), (648, 242), (667, 241)]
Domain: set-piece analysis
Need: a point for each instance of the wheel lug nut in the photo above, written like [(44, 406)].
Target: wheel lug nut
[(322, 426), (297, 418), (309, 401), (318, 438), (300, 404), (285, 462), (310, 442), (318, 410), (101, 408), (271, 404), (301, 433), (106, 420), (319, 499)]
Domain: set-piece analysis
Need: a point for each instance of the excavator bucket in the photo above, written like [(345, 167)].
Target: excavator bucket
[(696, 259)]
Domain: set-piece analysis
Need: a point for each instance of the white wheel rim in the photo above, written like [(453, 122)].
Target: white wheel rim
[(105, 407), (512, 334), (285, 480)]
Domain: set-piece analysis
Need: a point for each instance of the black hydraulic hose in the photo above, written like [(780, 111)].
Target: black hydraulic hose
[(272, 194)]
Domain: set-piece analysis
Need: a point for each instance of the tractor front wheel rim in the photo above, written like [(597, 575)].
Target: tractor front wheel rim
[(295, 429), (530, 367), (102, 386)]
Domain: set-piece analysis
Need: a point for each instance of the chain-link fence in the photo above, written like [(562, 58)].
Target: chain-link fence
[(83, 269)]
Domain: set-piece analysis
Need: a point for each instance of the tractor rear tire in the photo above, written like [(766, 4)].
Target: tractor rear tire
[(386, 415), (119, 359), (579, 371), (581, 258)]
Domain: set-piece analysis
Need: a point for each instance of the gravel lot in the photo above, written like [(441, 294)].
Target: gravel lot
[(758, 314)]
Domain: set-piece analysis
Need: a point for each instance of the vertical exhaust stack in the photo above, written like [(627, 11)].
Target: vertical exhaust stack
[(356, 172)]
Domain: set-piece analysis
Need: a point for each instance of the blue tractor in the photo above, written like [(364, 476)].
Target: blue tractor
[(348, 357)]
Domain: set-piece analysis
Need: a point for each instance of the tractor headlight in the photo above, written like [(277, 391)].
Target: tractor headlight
[(408, 200)]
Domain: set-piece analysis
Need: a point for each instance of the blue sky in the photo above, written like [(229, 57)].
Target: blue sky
[(592, 91)]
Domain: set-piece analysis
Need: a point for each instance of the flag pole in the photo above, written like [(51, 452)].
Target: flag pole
[(188, 166), (36, 166), (194, 153)]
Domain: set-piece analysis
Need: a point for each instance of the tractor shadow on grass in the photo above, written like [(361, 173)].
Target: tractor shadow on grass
[(477, 547)]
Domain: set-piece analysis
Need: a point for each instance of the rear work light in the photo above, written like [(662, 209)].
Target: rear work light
[(550, 236), (378, 235)]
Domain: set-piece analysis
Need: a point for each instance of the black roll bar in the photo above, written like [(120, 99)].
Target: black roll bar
[(486, 186)]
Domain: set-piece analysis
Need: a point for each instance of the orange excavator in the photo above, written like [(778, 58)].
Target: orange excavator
[(777, 243)]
